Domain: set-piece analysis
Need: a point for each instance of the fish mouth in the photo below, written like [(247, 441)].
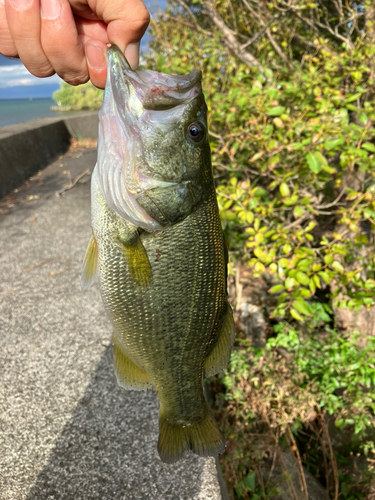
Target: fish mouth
[(154, 90)]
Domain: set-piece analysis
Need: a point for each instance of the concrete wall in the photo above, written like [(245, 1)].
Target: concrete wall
[(28, 147)]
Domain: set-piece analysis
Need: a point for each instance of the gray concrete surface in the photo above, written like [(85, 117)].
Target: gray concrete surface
[(27, 147), (67, 430)]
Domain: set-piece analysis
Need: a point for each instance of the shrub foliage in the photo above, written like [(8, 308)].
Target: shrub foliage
[(78, 98)]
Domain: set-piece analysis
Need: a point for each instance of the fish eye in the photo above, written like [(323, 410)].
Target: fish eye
[(195, 132)]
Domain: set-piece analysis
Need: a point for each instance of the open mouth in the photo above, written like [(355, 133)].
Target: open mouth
[(156, 91)]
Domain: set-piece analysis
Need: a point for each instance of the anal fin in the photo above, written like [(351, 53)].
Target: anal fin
[(136, 257), (128, 374), (90, 265), (218, 358)]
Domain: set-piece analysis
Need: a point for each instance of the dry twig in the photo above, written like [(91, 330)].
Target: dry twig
[(36, 266), (72, 184)]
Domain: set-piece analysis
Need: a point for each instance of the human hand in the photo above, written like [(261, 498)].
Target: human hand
[(70, 37)]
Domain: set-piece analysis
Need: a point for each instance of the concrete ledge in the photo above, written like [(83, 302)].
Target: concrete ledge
[(31, 146)]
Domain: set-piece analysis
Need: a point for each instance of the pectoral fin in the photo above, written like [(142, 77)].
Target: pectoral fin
[(218, 358), (128, 374), (90, 265), (136, 257)]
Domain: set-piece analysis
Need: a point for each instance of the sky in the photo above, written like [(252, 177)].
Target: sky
[(17, 83)]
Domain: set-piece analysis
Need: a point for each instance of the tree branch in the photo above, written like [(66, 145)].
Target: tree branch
[(273, 42), (255, 37), (231, 40), (192, 17), (315, 23)]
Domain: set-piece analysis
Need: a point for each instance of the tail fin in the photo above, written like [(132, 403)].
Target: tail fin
[(203, 438)]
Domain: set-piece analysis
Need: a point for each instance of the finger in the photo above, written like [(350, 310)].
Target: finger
[(132, 54), (7, 47), (97, 62), (83, 9), (23, 18), (127, 21), (95, 30), (61, 43), (129, 25)]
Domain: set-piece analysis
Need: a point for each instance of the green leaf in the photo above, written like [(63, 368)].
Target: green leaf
[(328, 259), (317, 281), (276, 288), (250, 217), (334, 143), (302, 278), (313, 162), (298, 212), (321, 158), (303, 307), (249, 481), (291, 200), (295, 315), (329, 170), (353, 97), (227, 214), (363, 118), (277, 111), (325, 276), (284, 189), (337, 266), (289, 283), (369, 147)]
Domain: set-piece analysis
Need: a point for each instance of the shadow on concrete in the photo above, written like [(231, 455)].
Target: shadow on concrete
[(107, 450)]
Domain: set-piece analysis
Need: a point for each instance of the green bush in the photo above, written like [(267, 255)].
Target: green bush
[(297, 379), (294, 155), (78, 98)]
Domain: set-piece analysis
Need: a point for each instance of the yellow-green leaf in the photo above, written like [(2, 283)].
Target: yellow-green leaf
[(289, 283), (369, 147), (302, 278), (303, 307), (295, 315), (276, 111), (337, 266), (298, 211), (284, 189)]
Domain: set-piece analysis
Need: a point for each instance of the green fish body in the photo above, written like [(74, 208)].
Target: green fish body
[(158, 249)]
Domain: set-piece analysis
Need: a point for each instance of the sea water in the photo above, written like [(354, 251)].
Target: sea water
[(13, 111)]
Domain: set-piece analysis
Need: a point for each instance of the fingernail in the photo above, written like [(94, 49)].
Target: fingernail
[(132, 54), (50, 8), (95, 56)]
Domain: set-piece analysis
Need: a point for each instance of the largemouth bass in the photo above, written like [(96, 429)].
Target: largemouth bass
[(158, 249)]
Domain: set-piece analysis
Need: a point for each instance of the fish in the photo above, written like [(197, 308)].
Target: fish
[(158, 250)]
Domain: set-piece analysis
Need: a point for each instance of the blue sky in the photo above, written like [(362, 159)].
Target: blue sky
[(17, 83)]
